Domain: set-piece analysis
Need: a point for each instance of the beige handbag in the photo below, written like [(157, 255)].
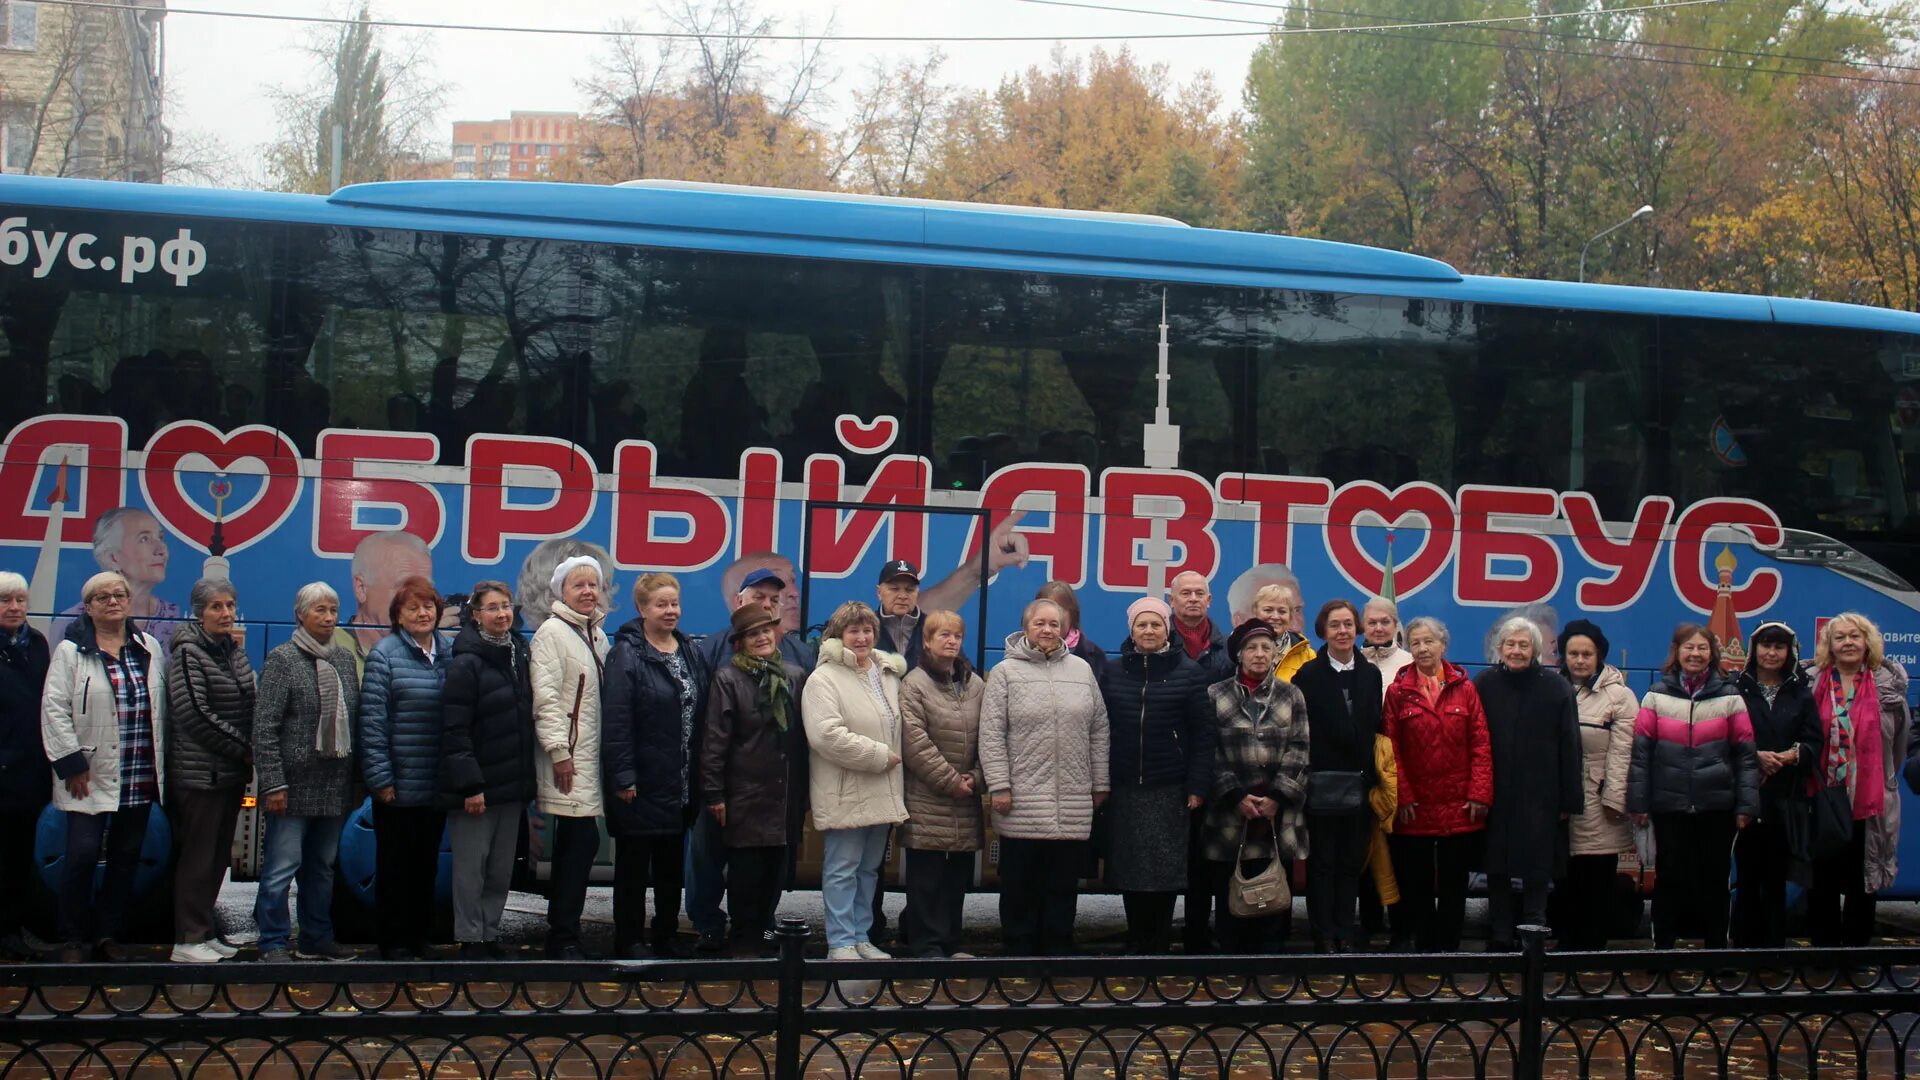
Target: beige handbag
[(1265, 893)]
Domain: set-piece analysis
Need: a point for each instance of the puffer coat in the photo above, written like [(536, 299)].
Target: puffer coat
[(210, 692), (1159, 719), (568, 651), (1607, 709), (80, 717), (942, 745), (747, 762), (1044, 738), (400, 721), (852, 780), (486, 746), (286, 720), (26, 781), (647, 741), (1442, 752), (1693, 753)]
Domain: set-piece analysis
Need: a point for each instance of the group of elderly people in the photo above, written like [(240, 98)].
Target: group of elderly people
[(1188, 761)]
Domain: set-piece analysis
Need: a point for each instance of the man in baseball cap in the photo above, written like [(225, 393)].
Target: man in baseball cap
[(900, 614)]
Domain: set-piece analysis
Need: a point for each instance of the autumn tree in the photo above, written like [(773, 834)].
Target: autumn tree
[(385, 103), (83, 92)]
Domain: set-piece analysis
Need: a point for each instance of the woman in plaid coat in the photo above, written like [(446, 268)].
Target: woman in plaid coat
[(1259, 797)]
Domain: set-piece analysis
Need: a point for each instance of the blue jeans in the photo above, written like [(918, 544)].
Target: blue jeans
[(705, 874), (303, 847), (849, 874)]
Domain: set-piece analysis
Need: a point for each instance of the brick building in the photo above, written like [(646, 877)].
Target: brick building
[(80, 91), (525, 146)]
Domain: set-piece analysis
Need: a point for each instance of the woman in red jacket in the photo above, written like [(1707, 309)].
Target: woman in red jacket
[(1439, 733)]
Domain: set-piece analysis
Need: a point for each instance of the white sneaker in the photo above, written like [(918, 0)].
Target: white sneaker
[(226, 951), (867, 950), (198, 953), (960, 956), (843, 952)]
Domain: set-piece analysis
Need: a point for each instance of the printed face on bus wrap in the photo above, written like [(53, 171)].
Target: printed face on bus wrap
[(141, 556)]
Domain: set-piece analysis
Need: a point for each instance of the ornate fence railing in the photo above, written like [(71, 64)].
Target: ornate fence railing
[(1528, 1014)]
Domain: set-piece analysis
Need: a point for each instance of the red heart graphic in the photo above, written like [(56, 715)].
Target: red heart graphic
[(862, 437), (161, 481), (1410, 574)]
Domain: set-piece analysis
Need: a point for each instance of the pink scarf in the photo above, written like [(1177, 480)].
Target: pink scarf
[(1852, 754)]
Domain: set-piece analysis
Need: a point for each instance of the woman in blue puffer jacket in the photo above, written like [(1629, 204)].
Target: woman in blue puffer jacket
[(400, 732)]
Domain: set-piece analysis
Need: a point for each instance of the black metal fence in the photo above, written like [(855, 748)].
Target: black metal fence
[(1528, 1014)]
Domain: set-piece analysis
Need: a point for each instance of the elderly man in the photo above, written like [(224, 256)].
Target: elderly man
[(769, 589), (1190, 597), (380, 563)]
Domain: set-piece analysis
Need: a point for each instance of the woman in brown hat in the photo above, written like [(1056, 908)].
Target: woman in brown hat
[(753, 762)]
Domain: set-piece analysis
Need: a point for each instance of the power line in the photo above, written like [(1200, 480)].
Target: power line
[(1437, 24)]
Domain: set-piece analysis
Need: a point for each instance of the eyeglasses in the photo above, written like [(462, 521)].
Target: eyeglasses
[(496, 609), (111, 597)]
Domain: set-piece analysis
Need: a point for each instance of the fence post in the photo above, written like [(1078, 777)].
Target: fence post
[(789, 1009), (1533, 1001)]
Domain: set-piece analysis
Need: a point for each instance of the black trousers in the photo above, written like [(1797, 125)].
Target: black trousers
[(937, 885), (1373, 914), (203, 823), (1694, 855), (755, 876), (1339, 858), (1586, 904), (576, 840), (1760, 903), (1432, 873), (1267, 934), (1039, 892), (1197, 934), (1839, 908), (406, 860), (16, 867), (86, 915), (1532, 908), (1149, 922), (640, 862)]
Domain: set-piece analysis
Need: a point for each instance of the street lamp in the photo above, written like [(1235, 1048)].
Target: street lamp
[(1644, 211)]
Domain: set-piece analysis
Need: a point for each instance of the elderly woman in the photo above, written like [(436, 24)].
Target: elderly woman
[(753, 760), (1600, 833), (1077, 640), (851, 709), (1786, 738), (1257, 810), (303, 723), (486, 765), (1438, 727), (1380, 622), (400, 730), (210, 693), (1694, 774), (1342, 695), (1278, 606), (103, 725), (25, 784), (1161, 767), (1862, 702), (568, 653), (1043, 751), (1533, 731), (656, 696), (940, 711)]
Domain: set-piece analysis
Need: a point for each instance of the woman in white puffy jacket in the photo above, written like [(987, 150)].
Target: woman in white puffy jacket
[(568, 654), (851, 710)]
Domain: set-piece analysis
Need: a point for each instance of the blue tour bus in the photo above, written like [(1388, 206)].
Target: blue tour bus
[(477, 379)]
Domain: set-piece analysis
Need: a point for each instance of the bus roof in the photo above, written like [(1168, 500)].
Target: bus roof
[(917, 232)]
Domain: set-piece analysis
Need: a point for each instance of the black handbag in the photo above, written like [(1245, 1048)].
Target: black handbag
[(1336, 791), (1831, 830)]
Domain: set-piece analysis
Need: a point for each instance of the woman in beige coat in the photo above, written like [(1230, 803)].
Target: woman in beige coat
[(940, 702), (1601, 832), (1043, 750), (568, 654), (851, 709)]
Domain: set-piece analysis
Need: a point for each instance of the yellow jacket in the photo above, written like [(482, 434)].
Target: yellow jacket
[(1296, 658), (1386, 803)]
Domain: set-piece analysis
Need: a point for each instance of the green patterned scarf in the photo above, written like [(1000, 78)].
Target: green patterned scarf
[(771, 674)]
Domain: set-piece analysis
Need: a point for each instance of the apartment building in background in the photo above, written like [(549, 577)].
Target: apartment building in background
[(80, 90), (524, 146)]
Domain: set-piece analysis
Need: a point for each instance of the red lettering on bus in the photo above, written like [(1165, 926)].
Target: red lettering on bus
[(344, 490), (1695, 587), (757, 518), (1275, 497), (490, 519), (640, 502), (1631, 559), (96, 475), (168, 471), (1476, 576), (1127, 524), (1062, 542), (1411, 573), (840, 539)]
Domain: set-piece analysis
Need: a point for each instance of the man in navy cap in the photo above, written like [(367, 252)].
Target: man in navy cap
[(900, 614), (766, 587)]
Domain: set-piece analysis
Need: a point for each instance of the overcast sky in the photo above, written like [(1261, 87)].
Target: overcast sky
[(218, 68)]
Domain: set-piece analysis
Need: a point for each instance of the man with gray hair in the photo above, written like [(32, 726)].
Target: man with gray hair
[(380, 563)]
